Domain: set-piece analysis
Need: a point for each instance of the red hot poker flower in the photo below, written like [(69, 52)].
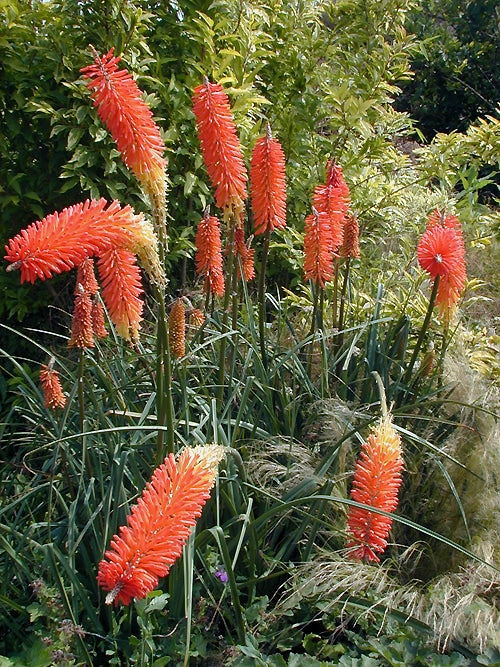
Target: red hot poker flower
[(86, 277), (63, 240), (177, 329), (333, 198), (209, 254), (441, 252), (377, 479), (82, 329), (246, 254), (220, 145), (159, 524), (121, 291), (350, 244), (51, 387), (318, 249), (121, 107), (267, 175), (196, 318), (98, 323)]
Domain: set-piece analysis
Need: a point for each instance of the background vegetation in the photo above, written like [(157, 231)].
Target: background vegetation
[(328, 77)]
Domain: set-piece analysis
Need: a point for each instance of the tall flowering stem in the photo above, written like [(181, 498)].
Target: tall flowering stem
[(159, 524), (267, 176), (121, 107), (349, 250), (441, 253), (318, 259), (223, 159), (376, 483), (332, 198)]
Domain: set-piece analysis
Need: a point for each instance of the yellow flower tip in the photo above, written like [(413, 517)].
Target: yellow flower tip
[(209, 457), (387, 434), (145, 246)]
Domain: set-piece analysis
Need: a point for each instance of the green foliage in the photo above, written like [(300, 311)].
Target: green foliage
[(456, 70)]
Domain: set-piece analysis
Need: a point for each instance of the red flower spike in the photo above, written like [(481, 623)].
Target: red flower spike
[(246, 254), (220, 145), (318, 249), (98, 322), (121, 291), (333, 198), (82, 330), (350, 244), (121, 108), (377, 479), (159, 524), (63, 240), (267, 175), (177, 329), (86, 277), (196, 318), (209, 254), (51, 387), (441, 252)]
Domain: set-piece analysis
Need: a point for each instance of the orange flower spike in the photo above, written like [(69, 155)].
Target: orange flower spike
[(267, 175), (318, 249), (196, 318), (245, 253), (333, 198), (220, 145), (121, 291), (350, 244), (159, 524), (63, 240), (177, 329), (441, 252), (86, 277), (82, 330), (121, 108), (377, 479), (51, 387), (98, 322), (209, 254)]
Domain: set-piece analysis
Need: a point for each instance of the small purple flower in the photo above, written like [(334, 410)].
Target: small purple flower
[(221, 574)]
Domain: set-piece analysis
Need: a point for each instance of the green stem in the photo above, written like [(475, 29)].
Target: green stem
[(81, 397), (164, 404), (335, 293), (321, 309), (81, 412), (313, 329), (343, 296), (165, 408), (262, 301), (225, 315), (423, 330), (339, 339)]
